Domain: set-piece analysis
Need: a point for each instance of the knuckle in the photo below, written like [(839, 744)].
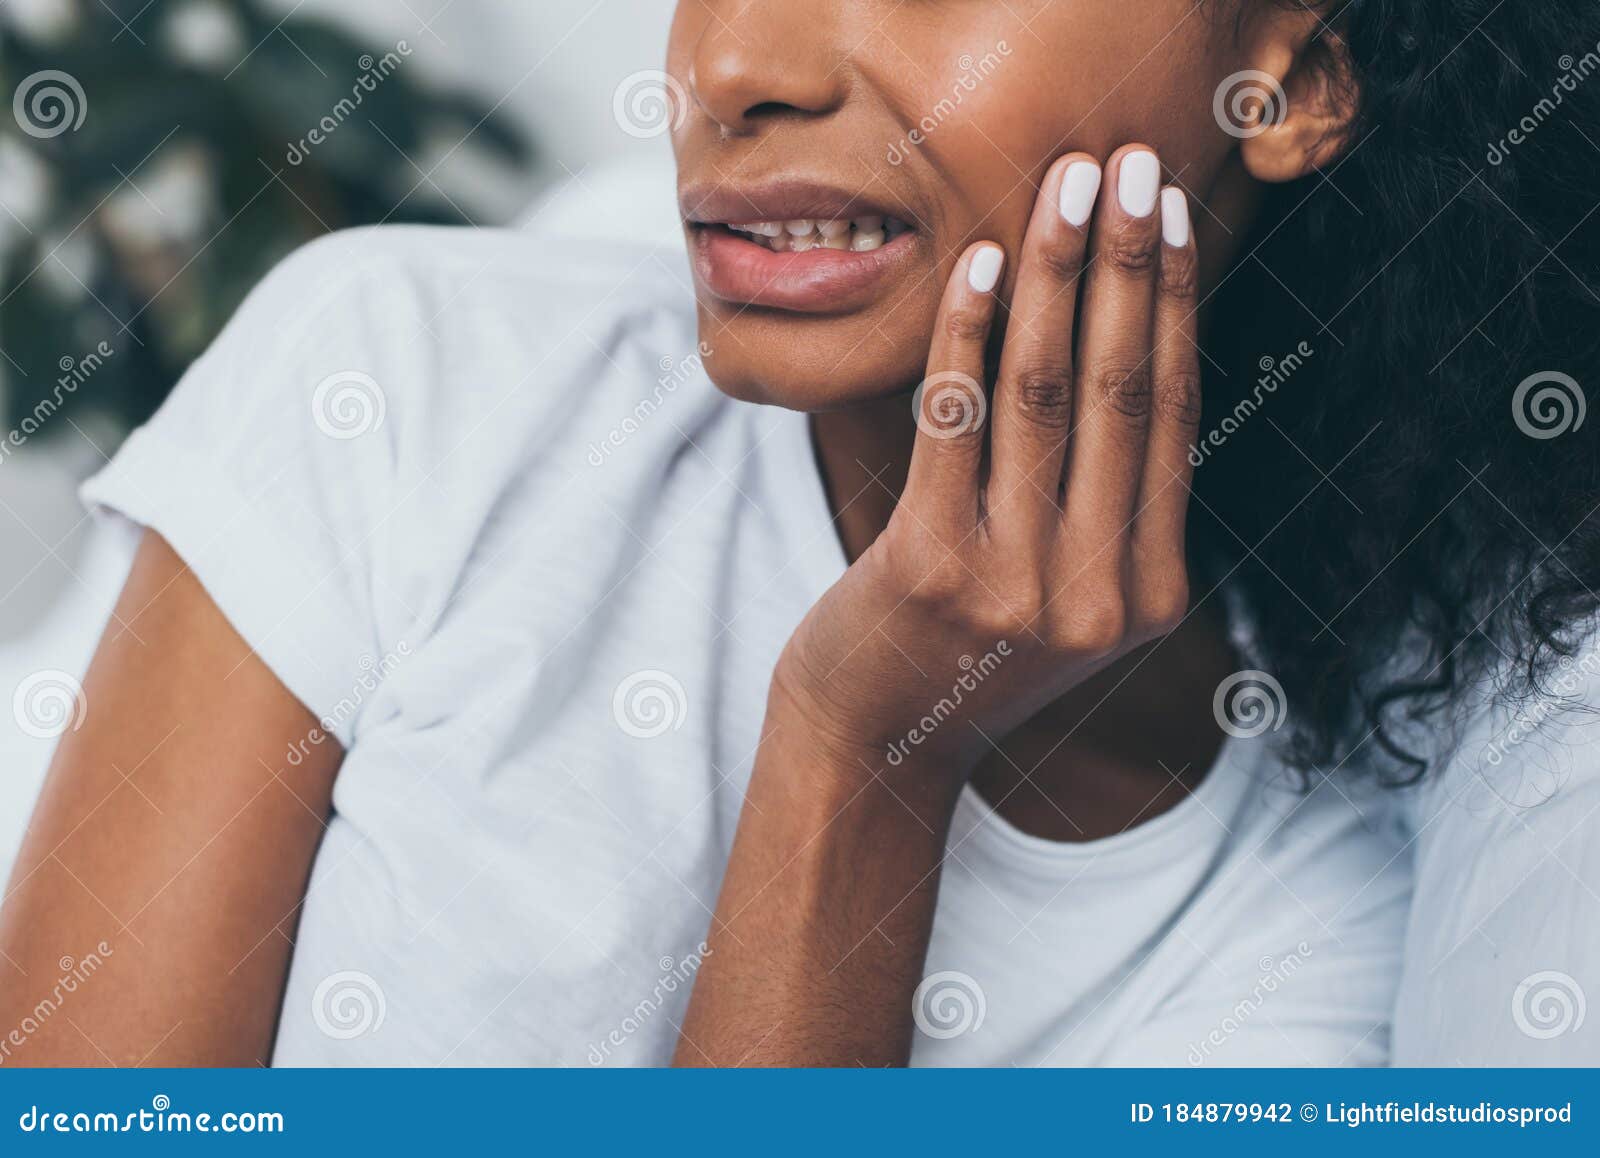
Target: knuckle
[(1178, 399), (1125, 390), (966, 325), (1062, 258), (1097, 633), (1044, 395), (1180, 275), (1164, 608), (1133, 248)]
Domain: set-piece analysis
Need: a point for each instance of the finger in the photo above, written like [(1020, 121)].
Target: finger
[(1033, 393), (1111, 411), (951, 406), (1175, 397)]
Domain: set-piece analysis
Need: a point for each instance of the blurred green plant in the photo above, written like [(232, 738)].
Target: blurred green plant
[(161, 155)]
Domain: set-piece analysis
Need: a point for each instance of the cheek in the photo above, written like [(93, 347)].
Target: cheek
[(998, 129)]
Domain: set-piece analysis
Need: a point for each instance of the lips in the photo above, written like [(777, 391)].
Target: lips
[(796, 246)]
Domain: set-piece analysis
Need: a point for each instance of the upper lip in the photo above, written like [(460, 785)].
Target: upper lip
[(784, 199)]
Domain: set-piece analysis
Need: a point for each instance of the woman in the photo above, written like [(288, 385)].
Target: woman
[(487, 682)]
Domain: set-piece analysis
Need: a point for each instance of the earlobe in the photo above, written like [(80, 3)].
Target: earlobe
[(1301, 117)]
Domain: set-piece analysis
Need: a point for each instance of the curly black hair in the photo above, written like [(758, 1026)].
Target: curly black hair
[(1393, 472)]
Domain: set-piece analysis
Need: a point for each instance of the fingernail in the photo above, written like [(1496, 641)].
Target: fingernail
[(1079, 187), (983, 274), (1174, 217), (1139, 182)]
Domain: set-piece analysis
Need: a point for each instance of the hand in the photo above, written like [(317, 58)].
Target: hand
[(1003, 580)]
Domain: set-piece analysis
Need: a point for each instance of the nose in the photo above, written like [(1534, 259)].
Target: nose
[(770, 59)]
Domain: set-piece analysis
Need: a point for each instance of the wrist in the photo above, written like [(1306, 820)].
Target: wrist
[(836, 762)]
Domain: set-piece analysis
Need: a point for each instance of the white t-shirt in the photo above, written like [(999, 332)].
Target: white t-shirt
[(472, 498), (1503, 944)]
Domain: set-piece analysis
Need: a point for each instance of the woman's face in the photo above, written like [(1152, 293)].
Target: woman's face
[(927, 125)]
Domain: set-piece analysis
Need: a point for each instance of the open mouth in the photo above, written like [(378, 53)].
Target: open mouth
[(798, 245), (853, 235)]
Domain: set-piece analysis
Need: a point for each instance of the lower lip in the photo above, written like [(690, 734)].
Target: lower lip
[(818, 281)]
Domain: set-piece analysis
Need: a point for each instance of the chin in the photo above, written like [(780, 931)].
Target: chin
[(810, 363)]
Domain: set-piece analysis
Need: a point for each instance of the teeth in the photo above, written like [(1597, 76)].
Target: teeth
[(861, 235)]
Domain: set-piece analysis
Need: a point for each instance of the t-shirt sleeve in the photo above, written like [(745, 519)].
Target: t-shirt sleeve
[(271, 466), (1503, 947)]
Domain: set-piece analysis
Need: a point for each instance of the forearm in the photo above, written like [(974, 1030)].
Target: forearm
[(819, 935)]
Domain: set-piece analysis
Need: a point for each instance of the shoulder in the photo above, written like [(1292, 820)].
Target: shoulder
[(453, 285), (429, 336), (1506, 919)]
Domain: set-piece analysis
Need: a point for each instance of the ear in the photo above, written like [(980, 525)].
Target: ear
[(1297, 109)]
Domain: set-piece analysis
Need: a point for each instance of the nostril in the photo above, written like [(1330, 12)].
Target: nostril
[(768, 109)]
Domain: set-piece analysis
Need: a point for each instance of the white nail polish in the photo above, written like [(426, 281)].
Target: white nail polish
[(1080, 185), (983, 273), (1174, 217), (1139, 183)]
